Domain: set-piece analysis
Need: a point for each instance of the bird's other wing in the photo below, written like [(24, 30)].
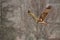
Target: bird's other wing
[(32, 15), (44, 13)]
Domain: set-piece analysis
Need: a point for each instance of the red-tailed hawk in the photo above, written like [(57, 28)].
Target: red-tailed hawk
[(42, 16)]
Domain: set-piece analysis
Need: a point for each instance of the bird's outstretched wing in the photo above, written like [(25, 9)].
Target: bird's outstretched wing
[(33, 15), (42, 16), (44, 13)]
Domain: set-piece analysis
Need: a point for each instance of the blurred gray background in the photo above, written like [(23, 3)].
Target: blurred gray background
[(16, 24)]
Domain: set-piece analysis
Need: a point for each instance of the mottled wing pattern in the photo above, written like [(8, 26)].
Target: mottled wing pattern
[(44, 13)]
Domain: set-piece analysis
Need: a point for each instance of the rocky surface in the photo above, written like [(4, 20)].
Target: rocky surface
[(16, 24)]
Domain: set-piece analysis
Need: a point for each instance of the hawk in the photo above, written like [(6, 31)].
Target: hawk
[(42, 16)]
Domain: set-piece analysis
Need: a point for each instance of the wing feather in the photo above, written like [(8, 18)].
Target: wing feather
[(33, 15), (44, 13)]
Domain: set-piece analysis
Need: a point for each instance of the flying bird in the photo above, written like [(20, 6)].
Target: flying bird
[(42, 16)]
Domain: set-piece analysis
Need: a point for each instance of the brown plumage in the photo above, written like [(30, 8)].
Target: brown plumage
[(42, 16)]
